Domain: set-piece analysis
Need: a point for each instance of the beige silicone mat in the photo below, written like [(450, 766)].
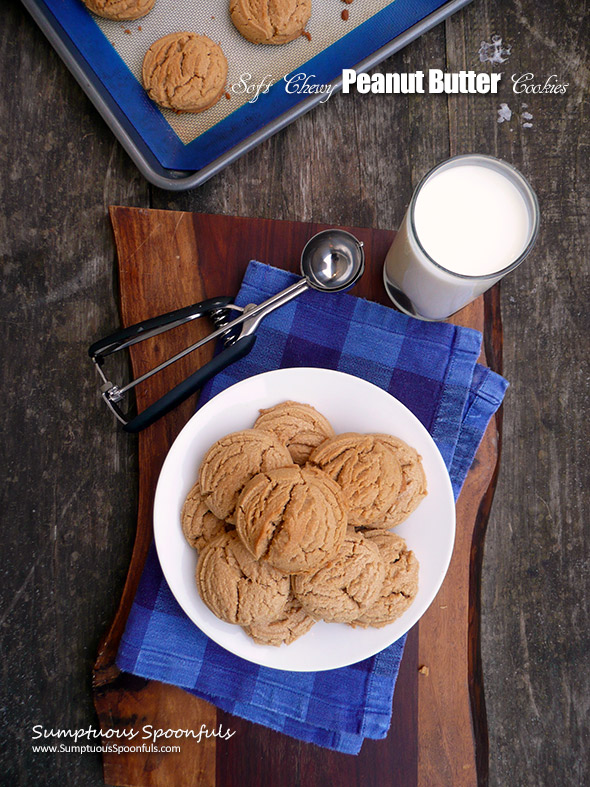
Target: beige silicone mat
[(268, 63)]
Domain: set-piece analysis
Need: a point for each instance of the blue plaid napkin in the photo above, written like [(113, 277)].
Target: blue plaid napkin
[(432, 368)]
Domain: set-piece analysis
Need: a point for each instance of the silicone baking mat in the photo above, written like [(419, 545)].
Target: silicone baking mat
[(114, 52)]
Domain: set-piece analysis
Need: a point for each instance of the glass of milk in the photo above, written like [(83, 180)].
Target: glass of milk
[(470, 221)]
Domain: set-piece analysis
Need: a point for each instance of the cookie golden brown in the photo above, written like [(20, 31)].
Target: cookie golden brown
[(185, 72), (293, 623), (366, 469), (298, 426), (413, 484), (232, 461), (400, 583), (270, 21), (199, 525), (347, 585), (293, 518), (120, 10), (237, 588)]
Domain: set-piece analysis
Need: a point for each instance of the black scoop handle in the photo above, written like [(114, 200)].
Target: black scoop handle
[(152, 327), (187, 387)]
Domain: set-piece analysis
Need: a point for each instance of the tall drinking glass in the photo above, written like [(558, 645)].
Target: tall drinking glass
[(471, 220)]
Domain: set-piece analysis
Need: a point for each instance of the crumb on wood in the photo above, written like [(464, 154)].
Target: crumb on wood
[(424, 670), (344, 15), (307, 35), (443, 606)]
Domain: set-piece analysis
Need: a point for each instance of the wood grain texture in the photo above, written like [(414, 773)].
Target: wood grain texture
[(170, 259), (70, 492)]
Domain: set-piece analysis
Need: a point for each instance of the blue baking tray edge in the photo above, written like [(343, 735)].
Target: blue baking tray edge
[(153, 128)]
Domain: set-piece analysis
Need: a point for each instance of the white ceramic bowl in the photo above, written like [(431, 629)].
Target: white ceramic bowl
[(351, 405)]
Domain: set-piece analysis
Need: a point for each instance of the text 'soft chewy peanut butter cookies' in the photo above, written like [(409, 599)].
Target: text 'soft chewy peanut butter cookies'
[(413, 485), (366, 469), (270, 21), (120, 10), (237, 588), (232, 461), (347, 585), (298, 426), (185, 72), (199, 525), (293, 518), (293, 623), (400, 584)]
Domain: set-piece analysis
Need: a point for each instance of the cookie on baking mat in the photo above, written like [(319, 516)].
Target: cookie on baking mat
[(120, 10), (293, 518), (199, 525), (185, 72), (298, 426), (400, 584), (270, 21), (237, 588), (413, 486), (366, 469), (293, 623), (232, 461), (345, 586)]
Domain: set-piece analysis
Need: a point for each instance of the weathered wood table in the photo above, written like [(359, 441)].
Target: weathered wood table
[(69, 495)]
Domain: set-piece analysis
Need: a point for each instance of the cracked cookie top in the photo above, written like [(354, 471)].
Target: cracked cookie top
[(400, 584), (346, 586), (199, 525), (293, 518), (293, 623), (298, 426), (120, 10), (413, 484), (232, 461), (270, 21), (185, 72), (366, 469), (237, 588)]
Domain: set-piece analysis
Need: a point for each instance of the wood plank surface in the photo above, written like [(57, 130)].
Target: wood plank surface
[(171, 259), (69, 499)]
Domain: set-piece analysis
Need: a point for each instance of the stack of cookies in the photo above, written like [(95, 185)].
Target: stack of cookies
[(292, 525)]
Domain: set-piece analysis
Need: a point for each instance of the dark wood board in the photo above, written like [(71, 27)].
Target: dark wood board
[(168, 260)]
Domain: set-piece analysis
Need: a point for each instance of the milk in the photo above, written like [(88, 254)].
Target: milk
[(470, 220)]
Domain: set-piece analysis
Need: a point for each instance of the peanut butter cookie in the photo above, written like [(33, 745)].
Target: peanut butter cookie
[(120, 10), (400, 584), (185, 72), (367, 470), (270, 21), (199, 525), (413, 486), (293, 518), (347, 585), (298, 426), (232, 461), (237, 588), (293, 623)]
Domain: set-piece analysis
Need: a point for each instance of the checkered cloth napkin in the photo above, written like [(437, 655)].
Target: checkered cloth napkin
[(432, 369)]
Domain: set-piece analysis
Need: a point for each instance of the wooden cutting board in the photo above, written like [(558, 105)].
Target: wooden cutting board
[(438, 734)]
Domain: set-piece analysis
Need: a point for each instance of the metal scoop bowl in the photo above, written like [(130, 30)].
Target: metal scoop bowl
[(331, 261)]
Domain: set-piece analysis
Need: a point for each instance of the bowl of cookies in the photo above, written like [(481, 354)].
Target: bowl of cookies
[(304, 519)]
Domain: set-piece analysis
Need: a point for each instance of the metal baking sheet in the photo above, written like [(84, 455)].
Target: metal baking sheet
[(182, 151)]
